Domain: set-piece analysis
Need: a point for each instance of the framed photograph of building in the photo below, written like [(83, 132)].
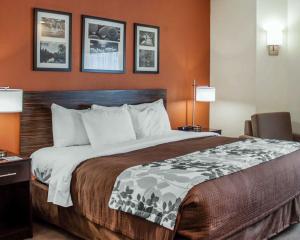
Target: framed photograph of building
[(103, 45), (52, 40), (146, 50)]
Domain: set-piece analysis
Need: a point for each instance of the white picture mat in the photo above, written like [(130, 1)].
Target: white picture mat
[(113, 61), (139, 47), (40, 38)]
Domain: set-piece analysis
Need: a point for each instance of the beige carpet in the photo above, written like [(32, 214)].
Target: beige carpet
[(43, 231)]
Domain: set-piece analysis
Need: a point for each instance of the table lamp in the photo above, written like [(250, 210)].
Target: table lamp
[(11, 101), (202, 94)]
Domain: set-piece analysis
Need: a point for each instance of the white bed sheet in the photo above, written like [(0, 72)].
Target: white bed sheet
[(54, 165)]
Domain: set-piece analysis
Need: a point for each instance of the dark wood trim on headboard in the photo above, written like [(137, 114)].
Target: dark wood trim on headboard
[(36, 120)]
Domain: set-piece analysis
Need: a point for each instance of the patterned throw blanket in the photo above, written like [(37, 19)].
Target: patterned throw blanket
[(155, 191)]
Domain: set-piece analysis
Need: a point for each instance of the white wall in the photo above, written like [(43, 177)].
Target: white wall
[(294, 62), (268, 83), (233, 47), (271, 71)]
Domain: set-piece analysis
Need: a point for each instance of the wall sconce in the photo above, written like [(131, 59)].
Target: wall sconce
[(274, 41)]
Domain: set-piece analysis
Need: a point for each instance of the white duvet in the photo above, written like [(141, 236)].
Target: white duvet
[(57, 164)]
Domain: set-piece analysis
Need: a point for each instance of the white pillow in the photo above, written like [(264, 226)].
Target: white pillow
[(108, 127), (99, 107), (142, 106), (150, 119), (67, 127)]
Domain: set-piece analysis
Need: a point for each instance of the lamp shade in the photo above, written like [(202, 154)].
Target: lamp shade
[(205, 94), (11, 100)]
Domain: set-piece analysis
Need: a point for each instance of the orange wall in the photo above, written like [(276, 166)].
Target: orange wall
[(184, 55)]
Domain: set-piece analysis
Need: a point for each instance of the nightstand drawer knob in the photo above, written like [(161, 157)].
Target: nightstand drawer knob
[(8, 175)]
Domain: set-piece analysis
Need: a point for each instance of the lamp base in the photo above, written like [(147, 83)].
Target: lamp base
[(3, 153), (195, 128)]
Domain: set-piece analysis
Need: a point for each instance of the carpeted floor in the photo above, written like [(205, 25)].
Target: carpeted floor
[(43, 231), (292, 233)]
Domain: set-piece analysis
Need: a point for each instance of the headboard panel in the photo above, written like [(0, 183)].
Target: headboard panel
[(36, 123)]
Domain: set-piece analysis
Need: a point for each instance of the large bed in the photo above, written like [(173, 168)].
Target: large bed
[(254, 203)]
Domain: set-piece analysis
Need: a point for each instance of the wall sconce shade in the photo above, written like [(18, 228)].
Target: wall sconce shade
[(11, 100), (205, 94), (274, 37), (274, 41)]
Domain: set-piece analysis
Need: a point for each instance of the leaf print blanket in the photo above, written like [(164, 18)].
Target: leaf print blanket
[(155, 191)]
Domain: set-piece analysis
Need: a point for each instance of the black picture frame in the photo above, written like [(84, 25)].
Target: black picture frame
[(39, 65), (122, 43), (156, 48)]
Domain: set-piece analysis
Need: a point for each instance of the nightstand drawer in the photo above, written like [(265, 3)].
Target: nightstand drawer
[(15, 172)]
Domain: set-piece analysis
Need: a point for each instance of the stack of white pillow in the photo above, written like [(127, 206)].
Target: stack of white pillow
[(100, 126)]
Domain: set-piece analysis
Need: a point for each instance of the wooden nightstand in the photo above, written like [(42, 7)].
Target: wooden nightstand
[(15, 199), (219, 131)]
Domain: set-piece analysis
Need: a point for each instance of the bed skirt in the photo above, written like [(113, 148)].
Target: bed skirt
[(72, 221)]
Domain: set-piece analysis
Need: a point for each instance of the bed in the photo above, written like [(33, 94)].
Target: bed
[(255, 203)]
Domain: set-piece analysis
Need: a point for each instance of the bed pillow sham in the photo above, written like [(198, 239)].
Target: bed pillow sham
[(100, 107), (67, 127), (143, 106), (108, 127), (149, 119)]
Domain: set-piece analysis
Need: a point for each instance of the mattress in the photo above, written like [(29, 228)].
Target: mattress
[(216, 209), (52, 160)]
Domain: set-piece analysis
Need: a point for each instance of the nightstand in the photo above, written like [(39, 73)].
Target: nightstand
[(15, 199), (219, 131)]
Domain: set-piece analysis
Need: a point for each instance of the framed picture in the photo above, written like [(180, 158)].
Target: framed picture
[(146, 50), (52, 40), (103, 45)]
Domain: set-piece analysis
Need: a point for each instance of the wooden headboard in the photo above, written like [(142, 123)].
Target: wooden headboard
[(36, 120)]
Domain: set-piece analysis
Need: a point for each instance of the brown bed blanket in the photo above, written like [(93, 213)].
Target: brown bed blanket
[(214, 209)]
